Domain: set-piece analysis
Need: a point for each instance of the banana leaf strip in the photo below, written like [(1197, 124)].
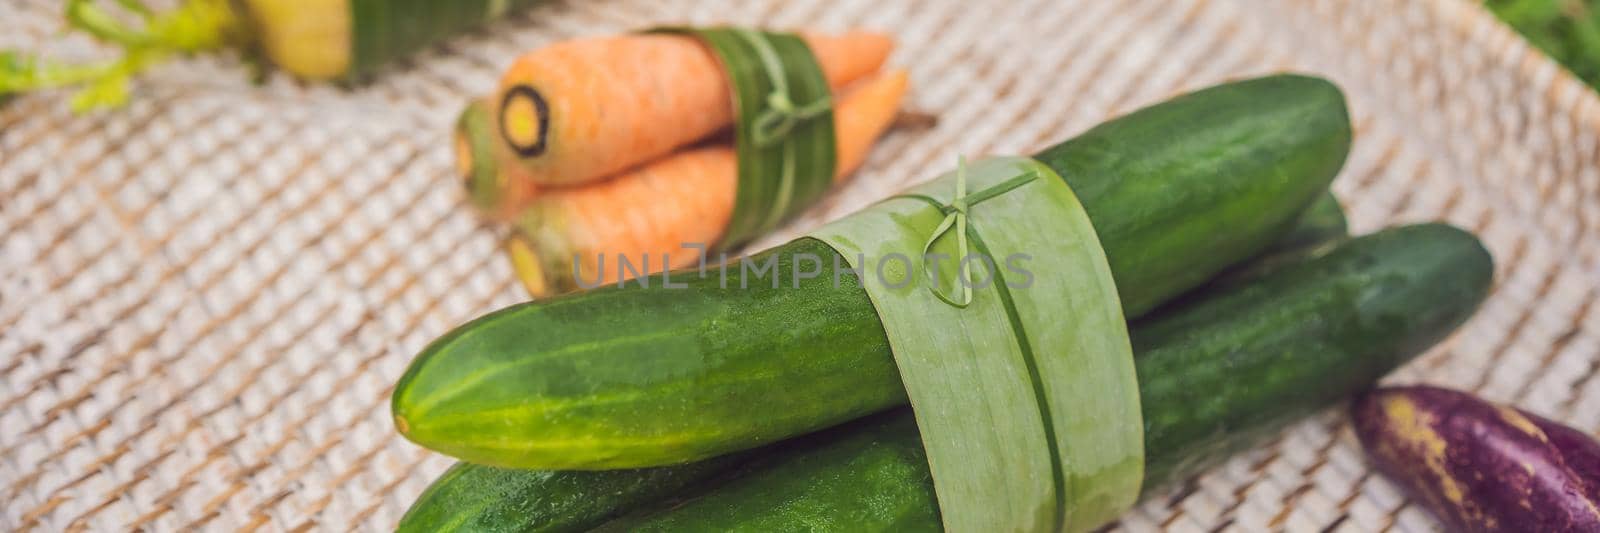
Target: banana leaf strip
[(1006, 326)]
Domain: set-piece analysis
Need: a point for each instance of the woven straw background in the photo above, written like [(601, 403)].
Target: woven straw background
[(205, 297)]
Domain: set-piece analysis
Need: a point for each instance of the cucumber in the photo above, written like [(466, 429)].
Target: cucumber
[(478, 498), (470, 497), (872, 477), (1322, 222), (1216, 376), (331, 39), (635, 377), (1182, 189), (1314, 233), (1326, 327)]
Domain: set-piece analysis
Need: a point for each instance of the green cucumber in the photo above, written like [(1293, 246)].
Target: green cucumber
[(633, 377), (470, 497), (1324, 221), (1182, 189), (1217, 376), (1325, 328), (478, 498), (383, 30), (1316, 231), (872, 477), (351, 39)]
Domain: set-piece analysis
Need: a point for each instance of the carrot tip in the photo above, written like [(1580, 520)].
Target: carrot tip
[(465, 163), (911, 119)]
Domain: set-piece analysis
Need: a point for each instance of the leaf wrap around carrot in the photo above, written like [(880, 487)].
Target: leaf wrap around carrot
[(581, 110), (648, 214), (783, 128)]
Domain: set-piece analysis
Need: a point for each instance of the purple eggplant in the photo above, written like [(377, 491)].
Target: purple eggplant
[(1479, 466)]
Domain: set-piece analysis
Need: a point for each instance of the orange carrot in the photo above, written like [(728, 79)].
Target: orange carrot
[(652, 211), (493, 186), (580, 110)]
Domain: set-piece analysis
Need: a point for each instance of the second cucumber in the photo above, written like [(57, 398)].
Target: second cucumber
[(1216, 376)]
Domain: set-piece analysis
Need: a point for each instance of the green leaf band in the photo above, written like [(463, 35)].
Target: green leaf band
[(786, 150), (1024, 392), (955, 216), (383, 30)]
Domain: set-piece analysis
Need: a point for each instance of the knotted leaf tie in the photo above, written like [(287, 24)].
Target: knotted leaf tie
[(782, 114), (955, 217)]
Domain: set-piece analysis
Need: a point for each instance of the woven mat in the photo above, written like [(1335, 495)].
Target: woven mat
[(206, 297)]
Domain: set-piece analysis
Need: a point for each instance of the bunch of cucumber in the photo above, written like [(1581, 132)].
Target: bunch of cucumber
[(763, 409)]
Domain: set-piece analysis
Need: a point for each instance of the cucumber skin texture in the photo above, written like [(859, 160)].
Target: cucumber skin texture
[(1319, 224), (1141, 182), (1399, 292), (631, 378), (384, 30), (1317, 230), (1216, 377), (873, 477), (470, 497)]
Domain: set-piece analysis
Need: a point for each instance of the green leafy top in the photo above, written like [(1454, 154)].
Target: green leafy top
[(195, 26)]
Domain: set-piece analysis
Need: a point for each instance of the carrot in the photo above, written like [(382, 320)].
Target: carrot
[(685, 198), (579, 110), (864, 113), (493, 186)]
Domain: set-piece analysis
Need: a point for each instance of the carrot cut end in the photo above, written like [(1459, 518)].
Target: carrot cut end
[(525, 264), (525, 120)]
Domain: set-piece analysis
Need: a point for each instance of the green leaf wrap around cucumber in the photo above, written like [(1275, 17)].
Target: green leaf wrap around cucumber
[(351, 39), (1216, 376), (470, 497), (635, 377), (382, 30)]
